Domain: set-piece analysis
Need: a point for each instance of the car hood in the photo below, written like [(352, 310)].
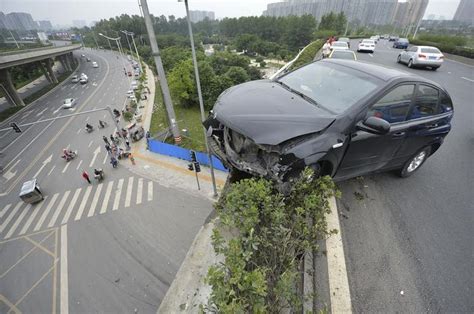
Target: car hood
[(268, 113)]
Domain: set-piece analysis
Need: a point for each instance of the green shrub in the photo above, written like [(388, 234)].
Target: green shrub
[(308, 54), (447, 47), (128, 116)]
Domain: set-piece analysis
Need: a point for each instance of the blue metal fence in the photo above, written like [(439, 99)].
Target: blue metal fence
[(183, 153)]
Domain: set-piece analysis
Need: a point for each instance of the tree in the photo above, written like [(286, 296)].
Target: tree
[(237, 75)]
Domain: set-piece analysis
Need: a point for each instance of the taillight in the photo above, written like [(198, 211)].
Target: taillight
[(421, 56)]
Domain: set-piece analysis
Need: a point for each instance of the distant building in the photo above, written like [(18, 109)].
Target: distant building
[(197, 16), (79, 23), (431, 17), (365, 12), (45, 25), (3, 21), (465, 12), (19, 21)]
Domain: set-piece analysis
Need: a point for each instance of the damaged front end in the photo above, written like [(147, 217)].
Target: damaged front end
[(240, 152)]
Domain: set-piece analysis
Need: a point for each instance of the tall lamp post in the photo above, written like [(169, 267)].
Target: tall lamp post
[(201, 103), (117, 41), (131, 34)]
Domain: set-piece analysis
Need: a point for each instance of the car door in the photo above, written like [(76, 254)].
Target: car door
[(428, 121), (369, 152)]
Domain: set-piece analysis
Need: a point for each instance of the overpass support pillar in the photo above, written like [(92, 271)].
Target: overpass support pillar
[(64, 64), (49, 66), (44, 71), (72, 62), (9, 88)]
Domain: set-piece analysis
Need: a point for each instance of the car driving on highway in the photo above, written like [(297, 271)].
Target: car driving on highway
[(343, 54), (421, 56), (69, 103), (339, 45), (83, 79), (95, 65), (366, 45), (75, 79), (339, 117), (401, 43)]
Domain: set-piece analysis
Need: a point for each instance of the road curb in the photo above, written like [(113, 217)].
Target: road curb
[(7, 120)]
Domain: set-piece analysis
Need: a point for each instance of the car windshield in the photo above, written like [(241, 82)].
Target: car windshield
[(430, 50), (343, 55), (331, 86)]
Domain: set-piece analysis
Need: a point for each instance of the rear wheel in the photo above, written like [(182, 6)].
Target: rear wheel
[(410, 63), (434, 68), (415, 162)]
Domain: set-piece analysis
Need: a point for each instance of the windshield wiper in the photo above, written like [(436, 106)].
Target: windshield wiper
[(302, 95)]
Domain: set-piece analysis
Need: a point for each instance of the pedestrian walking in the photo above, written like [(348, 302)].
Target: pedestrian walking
[(85, 175), (106, 140), (114, 162), (124, 133), (127, 143), (108, 148)]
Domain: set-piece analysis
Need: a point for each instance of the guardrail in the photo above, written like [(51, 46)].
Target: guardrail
[(14, 52)]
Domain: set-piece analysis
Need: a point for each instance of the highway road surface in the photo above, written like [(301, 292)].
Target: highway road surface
[(409, 242), (113, 246)]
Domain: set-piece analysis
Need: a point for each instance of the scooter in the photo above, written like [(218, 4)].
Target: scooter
[(70, 156), (89, 130)]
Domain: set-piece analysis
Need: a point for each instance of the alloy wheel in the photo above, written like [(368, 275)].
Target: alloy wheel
[(416, 161)]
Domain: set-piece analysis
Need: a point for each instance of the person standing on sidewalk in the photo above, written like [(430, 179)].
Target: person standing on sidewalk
[(85, 175), (127, 143), (106, 140), (108, 149)]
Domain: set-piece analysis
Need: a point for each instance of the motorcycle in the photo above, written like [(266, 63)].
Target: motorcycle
[(99, 176), (102, 124), (114, 163), (70, 156), (123, 155), (89, 130)]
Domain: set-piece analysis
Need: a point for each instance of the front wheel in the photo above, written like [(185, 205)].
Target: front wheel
[(415, 162), (410, 64)]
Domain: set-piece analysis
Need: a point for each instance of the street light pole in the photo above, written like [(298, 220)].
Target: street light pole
[(117, 41), (201, 103), (128, 42), (135, 46), (161, 72)]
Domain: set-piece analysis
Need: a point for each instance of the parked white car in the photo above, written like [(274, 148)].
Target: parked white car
[(339, 45), (74, 79), (366, 45), (95, 65), (69, 103), (421, 56), (130, 93), (84, 79)]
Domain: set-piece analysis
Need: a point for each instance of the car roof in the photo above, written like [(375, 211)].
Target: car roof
[(381, 72), (428, 47)]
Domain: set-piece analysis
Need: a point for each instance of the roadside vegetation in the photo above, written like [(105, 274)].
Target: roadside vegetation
[(458, 45), (264, 238)]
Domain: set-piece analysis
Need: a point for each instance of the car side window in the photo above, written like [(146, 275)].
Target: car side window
[(394, 106), (445, 103), (413, 49), (426, 102)]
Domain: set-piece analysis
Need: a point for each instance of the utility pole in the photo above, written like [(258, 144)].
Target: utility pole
[(136, 51), (201, 102), (161, 73)]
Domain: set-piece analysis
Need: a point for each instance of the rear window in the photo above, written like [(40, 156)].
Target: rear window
[(340, 44), (331, 86), (342, 55), (430, 50)]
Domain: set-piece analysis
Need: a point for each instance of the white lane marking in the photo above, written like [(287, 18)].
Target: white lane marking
[(28, 145), (18, 220), (339, 292), (82, 92), (139, 191), (65, 167), (90, 143), (118, 191), (16, 139), (83, 203), (87, 119), (10, 174), (79, 164), (46, 212), (32, 217), (58, 209), (57, 110), (26, 114), (79, 131), (71, 206), (104, 116), (63, 275), (105, 158), (95, 199), (103, 209), (150, 191), (41, 112), (8, 132), (4, 210), (128, 196), (10, 217), (371, 55), (96, 152), (45, 162), (49, 173), (467, 79)]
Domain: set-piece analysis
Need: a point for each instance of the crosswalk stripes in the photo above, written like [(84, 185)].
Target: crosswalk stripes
[(83, 203), (103, 209), (20, 218), (117, 194), (128, 197), (59, 209), (95, 200), (46, 212), (32, 216)]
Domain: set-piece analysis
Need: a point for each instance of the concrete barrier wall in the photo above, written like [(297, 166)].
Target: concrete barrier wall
[(183, 153)]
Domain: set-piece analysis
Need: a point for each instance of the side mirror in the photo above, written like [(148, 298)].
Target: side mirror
[(374, 125)]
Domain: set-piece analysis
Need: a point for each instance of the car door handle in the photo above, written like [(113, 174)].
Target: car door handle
[(398, 134), (431, 126)]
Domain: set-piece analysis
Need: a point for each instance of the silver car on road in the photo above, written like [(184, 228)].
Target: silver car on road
[(421, 56)]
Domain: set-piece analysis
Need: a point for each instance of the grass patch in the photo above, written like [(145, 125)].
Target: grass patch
[(187, 118), (41, 92)]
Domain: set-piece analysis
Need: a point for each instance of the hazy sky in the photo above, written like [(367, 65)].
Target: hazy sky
[(64, 11)]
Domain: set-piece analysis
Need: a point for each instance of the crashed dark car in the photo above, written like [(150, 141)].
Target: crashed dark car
[(340, 117)]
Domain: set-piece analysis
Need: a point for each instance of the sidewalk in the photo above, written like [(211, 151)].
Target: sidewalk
[(165, 170)]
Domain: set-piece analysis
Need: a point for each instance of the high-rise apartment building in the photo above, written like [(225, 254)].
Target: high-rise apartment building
[(19, 21), (197, 16), (45, 25), (465, 12)]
